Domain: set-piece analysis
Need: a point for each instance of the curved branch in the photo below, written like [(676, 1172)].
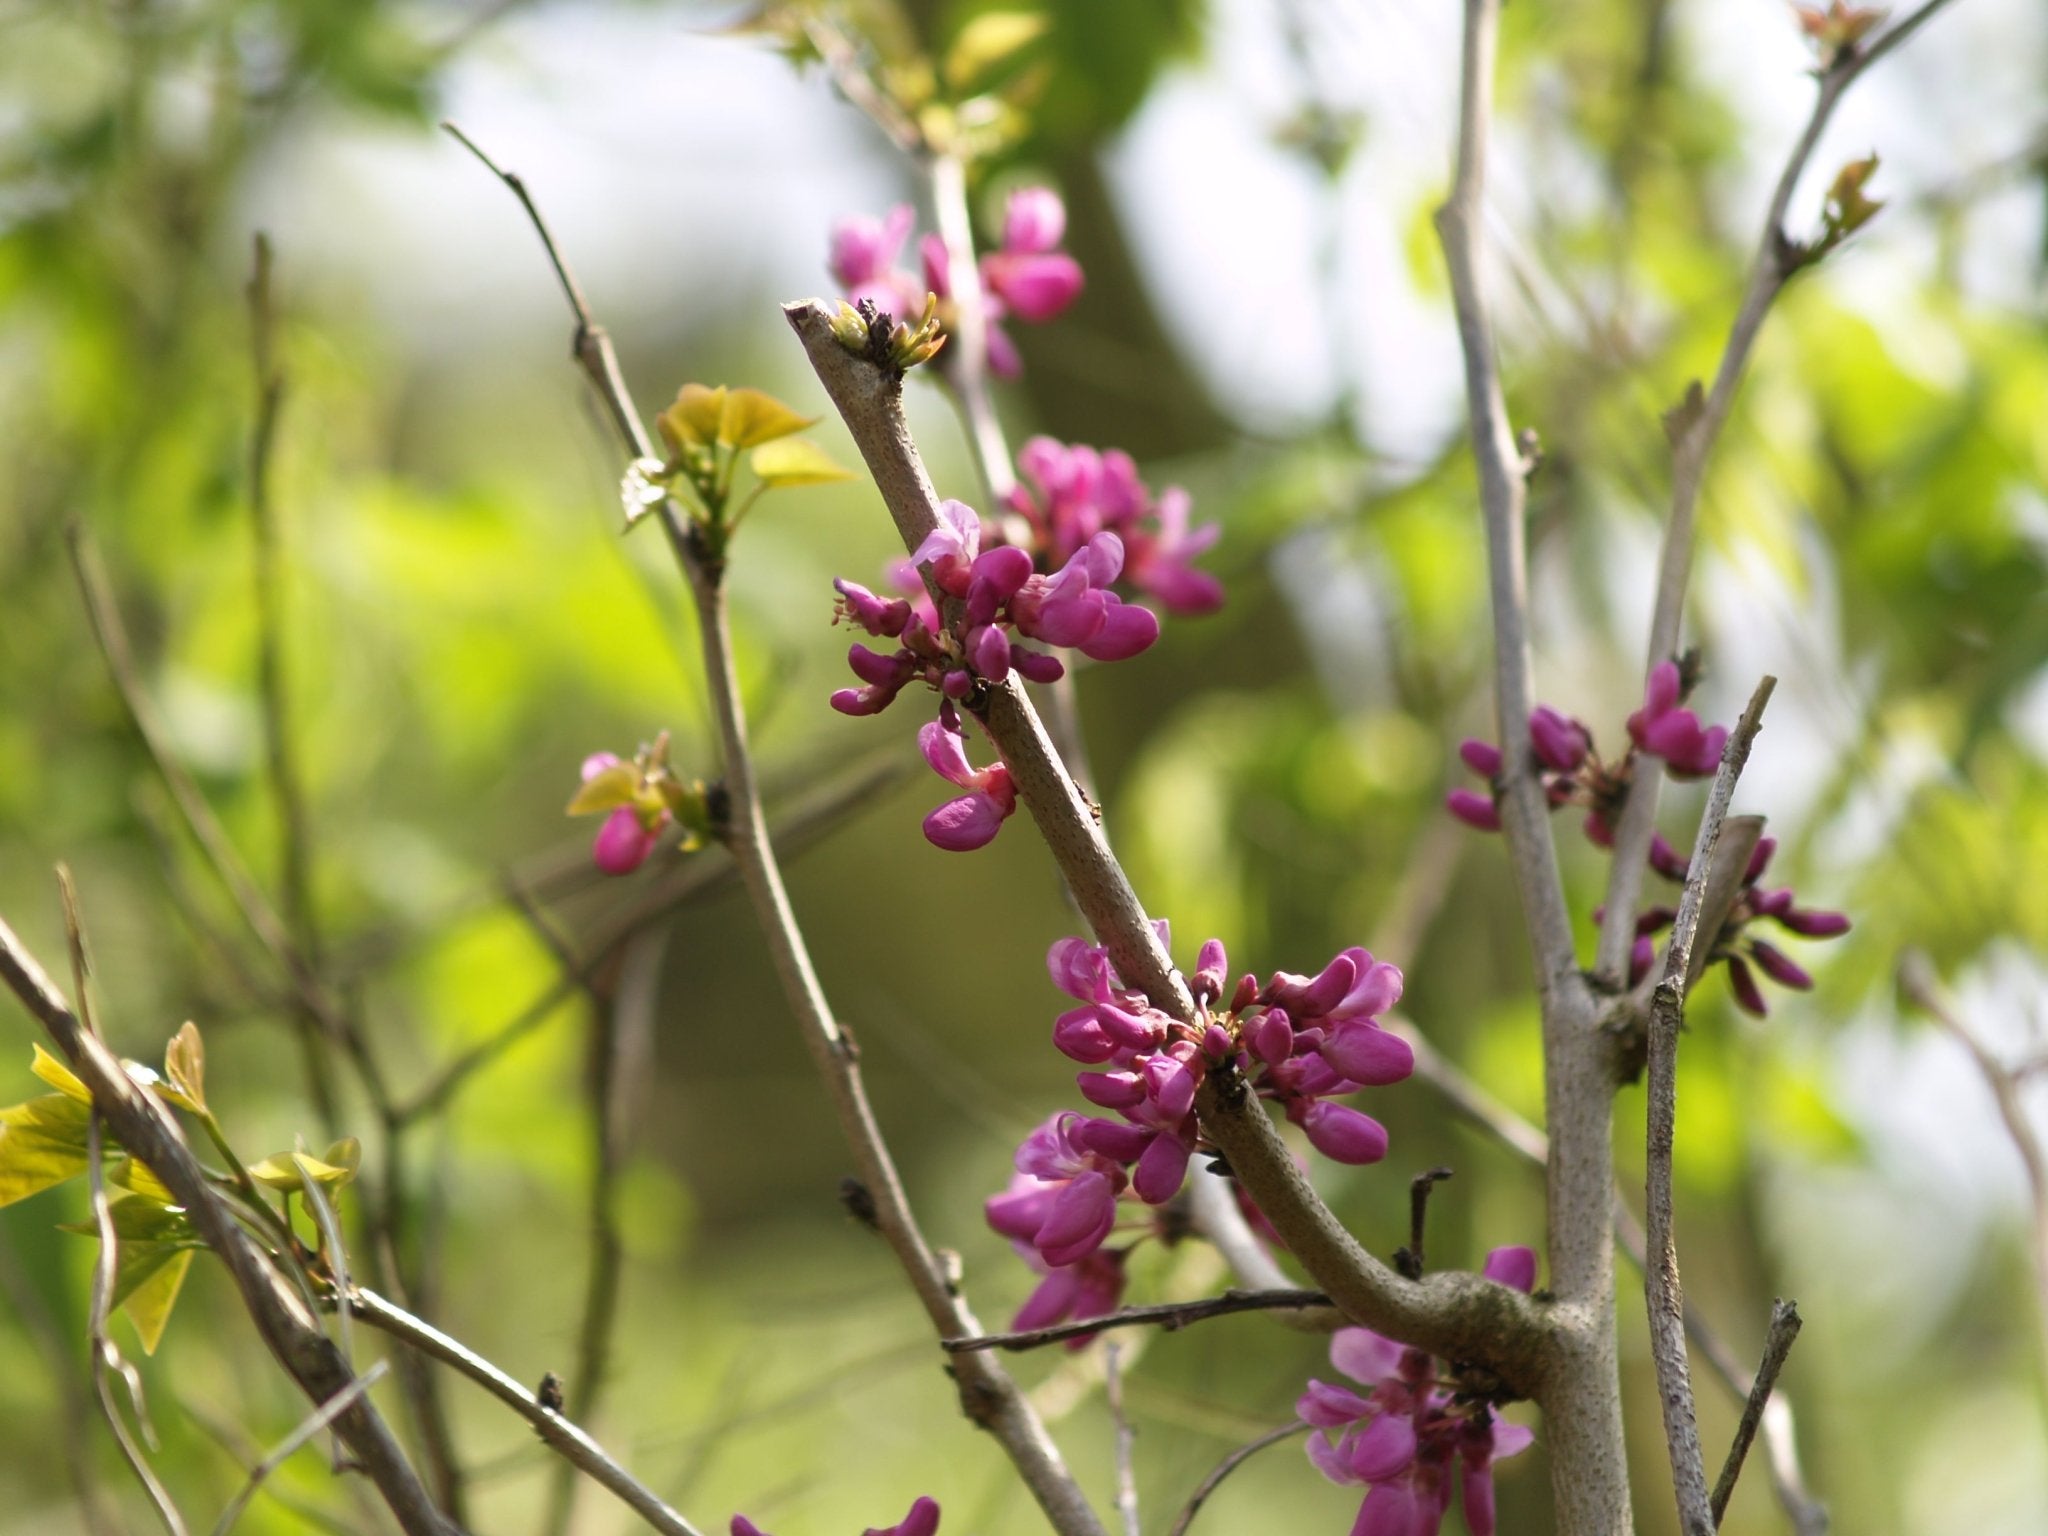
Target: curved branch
[(1462, 1316)]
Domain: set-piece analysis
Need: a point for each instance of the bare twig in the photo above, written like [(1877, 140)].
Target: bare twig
[(1582, 1396), (1785, 1324), (147, 1131), (621, 1029), (1169, 1316), (1694, 428), (1126, 1440), (1410, 1260), (1224, 1468), (1459, 1315), (584, 1453), (1667, 1015), (1919, 983), (987, 1395), (281, 758), (316, 1421)]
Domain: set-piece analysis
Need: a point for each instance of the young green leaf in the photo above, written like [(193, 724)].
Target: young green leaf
[(752, 417), (185, 1066), (333, 1168), (42, 1143), (988, 42), (58, 1076), (693, 421), (796, 461), (606, 790)]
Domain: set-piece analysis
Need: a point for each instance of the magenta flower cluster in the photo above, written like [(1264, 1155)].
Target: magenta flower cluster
[(1737, 945), (1303, 1041), (1026, 278), (1408, 1440), (1573, 773), (994, 601), (923, 1520), (1071, 494)]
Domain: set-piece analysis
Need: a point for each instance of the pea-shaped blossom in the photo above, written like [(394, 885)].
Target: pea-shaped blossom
[(1663, 729), (993, 602), (971, 820), (1411, 1443), (640, 801), (923, 1520), (1027, 277), (1068, 494)]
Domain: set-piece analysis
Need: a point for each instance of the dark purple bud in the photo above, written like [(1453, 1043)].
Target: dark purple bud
[(1667, 860), (1482, 757), (1747, 994), (958, 683), (1760, 860), (1779, 966), (1813, 925), (1474, 809), (989, 649), (1212, 968), (1512, 1267), (1217, 1044), (1246, 994), (1560, 743), (1641, 955)]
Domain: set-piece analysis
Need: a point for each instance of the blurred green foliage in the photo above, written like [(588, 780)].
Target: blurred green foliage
[(463, 624)]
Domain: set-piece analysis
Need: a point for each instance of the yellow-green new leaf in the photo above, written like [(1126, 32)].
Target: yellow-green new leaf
[(606, 790), (59, 1076), (42, 1143), (753, 417), (185, 1066), (796, 461), (139, 1178), (988, 42), (693, 421), (332, 1169), (155, 1274)]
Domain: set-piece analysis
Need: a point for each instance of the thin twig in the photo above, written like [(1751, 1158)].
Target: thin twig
[(1224, 1468), (146, 1131), (1168, 1316), (561, 1434), (1785, 1324), (318, 1420), (1917, 980), (987, 1395), (1126, 1441), (1667, 1014), (1459, 1315), (1695, 426), (621, 1029), (280, 757)]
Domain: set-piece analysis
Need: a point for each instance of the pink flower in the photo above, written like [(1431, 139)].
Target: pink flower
[(1662, 729), (973, 819), (1403, 1435), (863, 262)]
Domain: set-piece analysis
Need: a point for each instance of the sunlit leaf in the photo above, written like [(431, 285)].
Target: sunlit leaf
[(333, 1168), (154, 1276), (606, 790), (42, 1143), (185, 1066), (693, 421), (989, 41), (137, 1176), (796, 461), (752, 417), (59, 1076)]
